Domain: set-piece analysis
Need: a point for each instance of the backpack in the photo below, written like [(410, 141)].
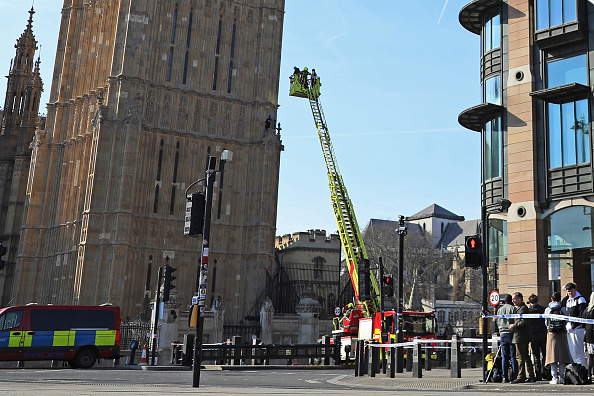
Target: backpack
[(556, 325), (576, 374)]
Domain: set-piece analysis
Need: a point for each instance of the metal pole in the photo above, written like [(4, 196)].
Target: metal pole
[(381, 294), (400, 333), (485, 243), (155, 326), (384, 329), (147, 288), (210, 178)]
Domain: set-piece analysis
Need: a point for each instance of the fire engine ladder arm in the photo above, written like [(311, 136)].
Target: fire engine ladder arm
[(348, 229)]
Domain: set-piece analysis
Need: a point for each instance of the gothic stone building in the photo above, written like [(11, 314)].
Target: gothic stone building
[(19, 120), (143, 92)]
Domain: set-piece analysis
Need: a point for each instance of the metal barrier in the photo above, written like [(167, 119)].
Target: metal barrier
[(265, 353), (368, 358)]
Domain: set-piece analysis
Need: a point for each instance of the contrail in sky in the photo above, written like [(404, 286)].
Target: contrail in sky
[(442, 11)]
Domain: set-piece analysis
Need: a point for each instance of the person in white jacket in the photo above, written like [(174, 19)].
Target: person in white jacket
[(575, 305)]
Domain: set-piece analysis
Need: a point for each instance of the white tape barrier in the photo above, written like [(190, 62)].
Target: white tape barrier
[(429, 341), (542, 316)]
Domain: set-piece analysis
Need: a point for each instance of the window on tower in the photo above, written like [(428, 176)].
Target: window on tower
[(492, 32), (568, 120), (551, 13), (493, 148), (170, 65), (492, 90), (217, 53)]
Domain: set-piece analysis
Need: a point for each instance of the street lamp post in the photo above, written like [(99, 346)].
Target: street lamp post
[(400, 333), (203, 272), (210, 176), (504, 204)]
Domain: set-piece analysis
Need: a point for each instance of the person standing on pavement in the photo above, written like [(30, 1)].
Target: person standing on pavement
[(539, 338), (508, 350), (589, 336), (557, 349), (521, 339), (576, 304)]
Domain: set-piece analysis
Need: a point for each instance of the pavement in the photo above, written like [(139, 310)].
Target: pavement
[(440, 379), (437, 379)]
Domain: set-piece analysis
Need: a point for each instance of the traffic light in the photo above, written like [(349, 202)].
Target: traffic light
[(473, 252), (194, 214), (167, 285), (3, 251), (388, 286), (364, 280)]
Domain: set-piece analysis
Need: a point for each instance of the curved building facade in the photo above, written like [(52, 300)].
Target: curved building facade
[(534, 121)]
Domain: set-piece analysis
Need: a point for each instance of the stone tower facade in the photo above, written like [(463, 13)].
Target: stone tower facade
[(144, 91), (19, 120)]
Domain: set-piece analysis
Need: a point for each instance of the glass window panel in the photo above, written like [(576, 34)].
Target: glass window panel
[(582, 131), (488, 36), (496, 32), (566, 71), (570, 228), (542, 14), (554, 114), (569, 11), (556, 12), (567, 133), (492, 149), (493, 90), (488, 136), (495, 149), (497, 237)]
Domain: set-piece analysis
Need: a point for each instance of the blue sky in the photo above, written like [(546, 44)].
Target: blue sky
[(395, 75)]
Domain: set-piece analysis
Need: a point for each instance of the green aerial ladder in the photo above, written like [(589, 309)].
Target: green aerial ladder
[(307, 85)]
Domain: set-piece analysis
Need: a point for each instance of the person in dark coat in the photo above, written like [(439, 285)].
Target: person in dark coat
[(539, 338), (522, 338), (589, 336)]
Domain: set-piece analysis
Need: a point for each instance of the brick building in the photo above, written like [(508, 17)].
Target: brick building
[(534, 119)]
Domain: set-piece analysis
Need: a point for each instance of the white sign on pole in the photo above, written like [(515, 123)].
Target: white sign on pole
[(494, 298)]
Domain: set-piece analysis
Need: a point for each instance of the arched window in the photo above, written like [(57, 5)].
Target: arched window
[(186, 59), (441, 316), (172, 44), (218, 48), (156, 203), (318, 267), (160, 162), (232, 56), (173, 187)]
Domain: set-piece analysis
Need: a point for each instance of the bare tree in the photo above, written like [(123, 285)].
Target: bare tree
[(426, 267)]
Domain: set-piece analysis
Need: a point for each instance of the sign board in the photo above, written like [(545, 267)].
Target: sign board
[(366, 329), (337, 311), (494, 298), (194, 300)]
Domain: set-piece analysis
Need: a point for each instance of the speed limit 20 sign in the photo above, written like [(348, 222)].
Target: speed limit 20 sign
[(494, 298)]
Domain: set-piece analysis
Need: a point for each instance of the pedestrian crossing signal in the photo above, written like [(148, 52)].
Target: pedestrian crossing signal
[(473, 253), (388, 285)]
